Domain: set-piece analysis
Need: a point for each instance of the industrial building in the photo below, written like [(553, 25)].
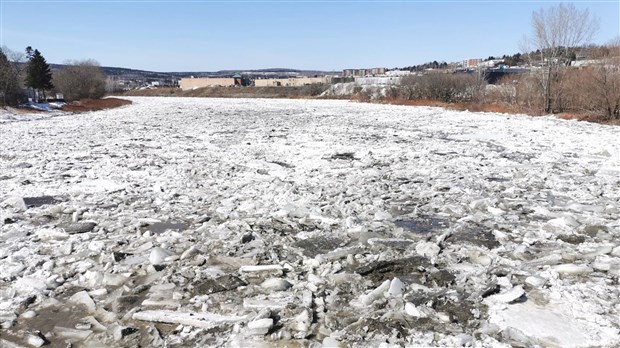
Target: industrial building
[(193, 83), (291, 82)]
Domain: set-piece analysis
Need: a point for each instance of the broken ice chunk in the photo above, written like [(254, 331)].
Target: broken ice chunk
[(375, 294), (413, 311), (189, 252), (51, 234), (202, 320), (330, 342), (158, 255), (260, 326), (302, 323), (276, 284), (17, 203), (382, 216), (113, 279), (68, 333), (28, 285), (495, 211), (535, 281), (396, 288), (78, 227), (35, 340), (427, 249), (257, 271), (509, 296), (572, 269), (84, 299)]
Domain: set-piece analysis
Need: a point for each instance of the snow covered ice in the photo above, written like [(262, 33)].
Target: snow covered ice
[(255, 222)]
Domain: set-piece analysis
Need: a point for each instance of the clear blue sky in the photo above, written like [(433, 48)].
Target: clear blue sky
[(204, 35)]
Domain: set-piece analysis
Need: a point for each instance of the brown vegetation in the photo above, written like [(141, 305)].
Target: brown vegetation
[(84, 105), (448, 88), (309, 91), (80, 80)]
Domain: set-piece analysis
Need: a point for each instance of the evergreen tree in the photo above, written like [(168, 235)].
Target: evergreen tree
[(38, 72)]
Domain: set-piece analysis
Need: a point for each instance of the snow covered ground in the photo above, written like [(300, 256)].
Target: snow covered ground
[(251, 222), (16, 115)]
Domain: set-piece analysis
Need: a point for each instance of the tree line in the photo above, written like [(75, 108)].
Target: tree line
[(30, 71), (553, 84)]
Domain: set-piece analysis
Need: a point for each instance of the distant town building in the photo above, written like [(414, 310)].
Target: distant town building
[(471, 63), (398, 73), (491, 63), (363, 72)]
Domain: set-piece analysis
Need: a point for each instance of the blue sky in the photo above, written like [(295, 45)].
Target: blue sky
[(206, 35)]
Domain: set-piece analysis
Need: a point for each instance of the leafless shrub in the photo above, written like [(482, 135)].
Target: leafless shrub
[(314, 89), (80, 79), (392, 92), (504, 92), (10, 76), (529, 93), (595, 90), (443, 87)]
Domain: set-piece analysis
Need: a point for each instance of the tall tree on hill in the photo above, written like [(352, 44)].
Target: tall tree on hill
[(557, 33), (38, 72)]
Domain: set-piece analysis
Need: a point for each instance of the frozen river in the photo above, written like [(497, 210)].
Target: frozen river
[(250, 222)]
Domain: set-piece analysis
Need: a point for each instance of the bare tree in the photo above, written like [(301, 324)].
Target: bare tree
[(601, 84), (80, 79), (10, 76), (558, 31)]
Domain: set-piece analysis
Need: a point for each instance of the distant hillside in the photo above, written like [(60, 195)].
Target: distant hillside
[(133, 74)]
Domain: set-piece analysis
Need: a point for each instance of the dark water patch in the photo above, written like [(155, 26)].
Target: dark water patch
[(23, 165), (572, 238), (124, 304), (161, 227), (459, 308), (409, 270), (422, 225), (344, 156), (397, 244), (49, 317), (445, 153), (496, 179), (397, 325), (220, 284), (282, 164), (440, 278), (593, 230), (34, 202), (120, 256), (478, 235), (318, 245)]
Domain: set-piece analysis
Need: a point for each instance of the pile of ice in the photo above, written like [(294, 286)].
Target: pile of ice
[(348, 89), (204, 222)]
